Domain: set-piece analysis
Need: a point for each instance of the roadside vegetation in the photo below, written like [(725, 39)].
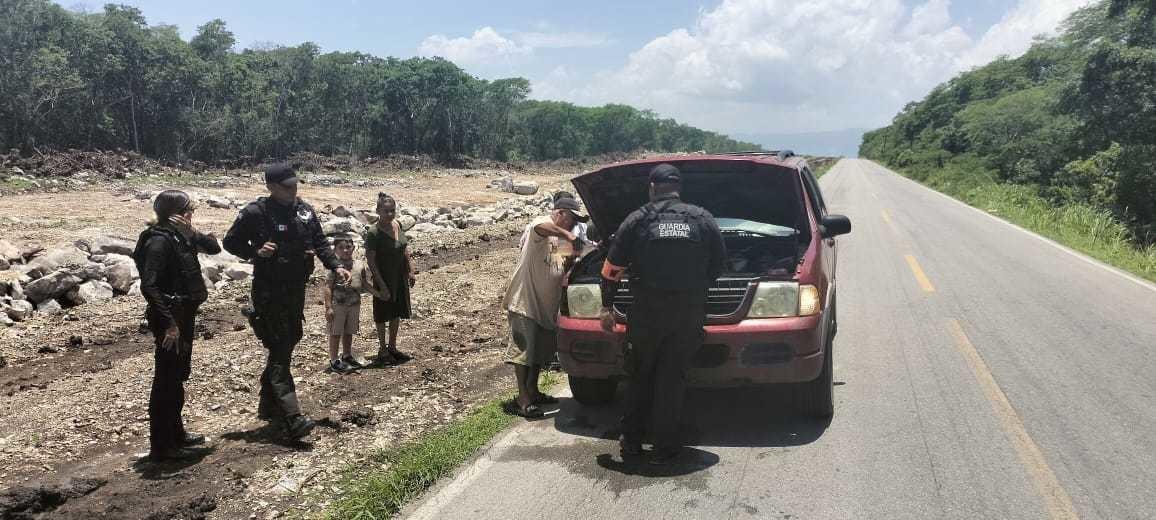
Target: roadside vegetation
[(108, 80), (821, 165), (381, 486), (1061, 140)]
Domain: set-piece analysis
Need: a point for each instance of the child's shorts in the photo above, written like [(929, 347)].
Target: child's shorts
[(346, 320)]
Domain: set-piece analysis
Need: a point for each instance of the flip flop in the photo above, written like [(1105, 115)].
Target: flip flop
[(545, 399)]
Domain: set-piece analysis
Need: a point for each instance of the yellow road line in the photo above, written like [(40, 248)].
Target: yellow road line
[(1059, 504), (924, 282), (886, 216)]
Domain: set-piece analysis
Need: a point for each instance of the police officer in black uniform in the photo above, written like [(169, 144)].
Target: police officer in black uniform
[(281, 235), (171, 283), (674, 251)]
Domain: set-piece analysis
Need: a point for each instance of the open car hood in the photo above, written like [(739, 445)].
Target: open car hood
[(747, 188)]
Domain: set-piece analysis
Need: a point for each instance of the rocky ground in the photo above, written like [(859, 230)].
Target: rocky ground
[(75, 364)]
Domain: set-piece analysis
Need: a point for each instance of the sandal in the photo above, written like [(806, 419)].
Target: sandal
[(545, 399), (400, 356), (529, 412)]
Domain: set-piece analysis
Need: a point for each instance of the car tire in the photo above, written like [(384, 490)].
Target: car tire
[(593, 391), (816, 398)]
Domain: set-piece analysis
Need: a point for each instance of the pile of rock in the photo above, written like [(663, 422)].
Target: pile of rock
[(92, 270), (212, 201), (507, 184), (419, 221)]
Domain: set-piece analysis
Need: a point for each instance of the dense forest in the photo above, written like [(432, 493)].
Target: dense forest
[(109, 80), (1073, 119)]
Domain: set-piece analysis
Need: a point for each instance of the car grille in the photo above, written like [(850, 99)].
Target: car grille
[(726, 296)]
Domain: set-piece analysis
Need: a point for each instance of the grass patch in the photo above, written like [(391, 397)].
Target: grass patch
[(378, 488), (549, 379), (15, 184), (1091, 231), (822, 165)]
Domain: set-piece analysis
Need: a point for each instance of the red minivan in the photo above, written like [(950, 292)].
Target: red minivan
[(771, 316)]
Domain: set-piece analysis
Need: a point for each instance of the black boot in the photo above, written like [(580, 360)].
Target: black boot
[(630, 447), (299, 426)]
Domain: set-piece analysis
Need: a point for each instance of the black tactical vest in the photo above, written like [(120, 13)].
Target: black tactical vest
[(672, 255), (188, 286), (291, 234)]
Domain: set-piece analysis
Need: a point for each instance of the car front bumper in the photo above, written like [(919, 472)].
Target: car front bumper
[(751, 352)]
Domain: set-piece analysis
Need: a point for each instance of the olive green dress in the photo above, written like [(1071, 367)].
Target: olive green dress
[(391, 263)]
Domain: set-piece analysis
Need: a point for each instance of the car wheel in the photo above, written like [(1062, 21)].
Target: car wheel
[(817, 398), (593, 391)]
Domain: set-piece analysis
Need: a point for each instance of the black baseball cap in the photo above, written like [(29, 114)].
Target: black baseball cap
[(280, 174), (571, 205), (665, 174)]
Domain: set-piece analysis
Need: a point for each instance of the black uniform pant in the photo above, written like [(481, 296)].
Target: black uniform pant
[(280, 314), (664, 332), (172, 369)]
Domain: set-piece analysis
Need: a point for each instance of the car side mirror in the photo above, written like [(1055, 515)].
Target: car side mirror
[(835, 225)]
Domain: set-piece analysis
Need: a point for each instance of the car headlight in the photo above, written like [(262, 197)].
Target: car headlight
[(784, 299), (584, 301), (775, 300)]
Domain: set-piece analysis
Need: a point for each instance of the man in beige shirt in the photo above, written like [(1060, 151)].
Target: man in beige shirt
[(532, 300)]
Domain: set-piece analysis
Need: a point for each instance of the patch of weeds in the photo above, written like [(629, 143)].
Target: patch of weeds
[(549, 379), (822, 165), (379, 487)]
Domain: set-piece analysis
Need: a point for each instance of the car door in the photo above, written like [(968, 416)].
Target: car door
[(829, 248)]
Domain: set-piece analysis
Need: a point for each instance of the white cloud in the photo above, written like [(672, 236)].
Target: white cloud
[(1013, 34), (778, 66), (561, 40), (485, 46)]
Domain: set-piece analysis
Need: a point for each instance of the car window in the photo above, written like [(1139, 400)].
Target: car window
[(814, 193)]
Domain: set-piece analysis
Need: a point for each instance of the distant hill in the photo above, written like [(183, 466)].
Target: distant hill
[(1073, 119), (837, 143)]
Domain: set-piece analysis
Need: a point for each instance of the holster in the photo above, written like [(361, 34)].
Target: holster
[(255, 322)]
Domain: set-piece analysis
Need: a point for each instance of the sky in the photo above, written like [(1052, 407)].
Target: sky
[(743, 67)]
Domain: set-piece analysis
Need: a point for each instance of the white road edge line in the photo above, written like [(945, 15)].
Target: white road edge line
[(1085, 258), (440, 497)]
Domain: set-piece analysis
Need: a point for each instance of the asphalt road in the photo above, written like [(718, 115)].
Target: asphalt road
[(982, 372)]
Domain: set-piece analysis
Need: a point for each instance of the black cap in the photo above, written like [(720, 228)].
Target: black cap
[(571, 205), (280, 174), (665, 174)]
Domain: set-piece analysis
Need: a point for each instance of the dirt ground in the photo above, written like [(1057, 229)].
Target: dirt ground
[(74, 387)]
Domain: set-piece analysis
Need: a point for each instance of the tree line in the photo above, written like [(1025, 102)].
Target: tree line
[(109, 80), (1074, 118)]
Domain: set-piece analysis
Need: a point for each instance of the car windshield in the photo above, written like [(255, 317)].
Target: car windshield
[(758, 228)]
